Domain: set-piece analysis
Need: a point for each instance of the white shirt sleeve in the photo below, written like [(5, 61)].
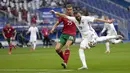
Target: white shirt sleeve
[(36, 29), (89, 18), (29, 30), (104, 28), (71, 18)]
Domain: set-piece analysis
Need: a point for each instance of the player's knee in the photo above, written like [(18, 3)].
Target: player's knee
[(67, 46), (58, 50), (83, 46)]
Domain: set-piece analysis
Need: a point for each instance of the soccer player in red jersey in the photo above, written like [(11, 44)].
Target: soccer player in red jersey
[(67, 37), (9, 34)]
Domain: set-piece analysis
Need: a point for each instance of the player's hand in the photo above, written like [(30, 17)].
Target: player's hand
[(52, 11), (13, 38), (51, 31), (5, 37)]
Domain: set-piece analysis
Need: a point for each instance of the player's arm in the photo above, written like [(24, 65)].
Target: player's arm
[(38, 33), (28, 31), (54, 27), (104, 29), (105, 21), (3, 33), (14, 34), (59, 14), (63, 15)]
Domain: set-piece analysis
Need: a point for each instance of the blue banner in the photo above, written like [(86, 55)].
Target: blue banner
[(45, 12)]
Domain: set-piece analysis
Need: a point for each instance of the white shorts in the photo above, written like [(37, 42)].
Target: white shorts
[(87, 38), (112, 34), (85, 44), (33, 39)]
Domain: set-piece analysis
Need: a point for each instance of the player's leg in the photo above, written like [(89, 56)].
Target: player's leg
[(47, 42), (59, 45), (10, 45), (34, 39), (107, 47), (34, 45), (14, 46), (70, 41), (58, 50), (66, 54), (44, 42), (104, 38), (114, 41), (83, 46), (31, 42)]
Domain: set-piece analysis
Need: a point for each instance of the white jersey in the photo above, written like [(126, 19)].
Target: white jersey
[(84, 26), (110, 29), (33, 31)]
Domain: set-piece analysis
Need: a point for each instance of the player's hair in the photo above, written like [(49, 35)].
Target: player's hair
[(68, 6), (76, 12)]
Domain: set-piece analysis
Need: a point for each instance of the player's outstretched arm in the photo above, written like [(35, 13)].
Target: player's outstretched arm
[(55, 25), (105, 21), (59, 14)]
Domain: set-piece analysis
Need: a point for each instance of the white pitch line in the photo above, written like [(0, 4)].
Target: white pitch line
[(36, 70)]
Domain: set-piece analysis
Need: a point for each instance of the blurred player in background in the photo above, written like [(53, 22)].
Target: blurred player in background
[(89, 35), (67, 37), (9, 34), (46, 39), (33, 30), (111, 31)]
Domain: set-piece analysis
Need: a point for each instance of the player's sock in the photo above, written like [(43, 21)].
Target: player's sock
[(117, 41), (107, 46), (10, 49), (104, 38), (34, 46), (82, 57), (31, 47), (66, 55), (60, 53)]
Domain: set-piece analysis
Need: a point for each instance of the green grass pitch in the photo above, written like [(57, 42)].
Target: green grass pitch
[(45, 60)]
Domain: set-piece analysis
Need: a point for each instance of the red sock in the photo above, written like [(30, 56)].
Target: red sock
[(14, 46), (66, 56), (10, 48), (60, 53)]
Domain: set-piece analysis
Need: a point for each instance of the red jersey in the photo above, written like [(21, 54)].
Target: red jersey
[(69, 26), (8, 31), (45, 32)]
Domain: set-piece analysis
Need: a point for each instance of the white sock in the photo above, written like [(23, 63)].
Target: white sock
[(107, 46), (82, 57), (104, 38), (117, 41), (34, 45), (31, 45)]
